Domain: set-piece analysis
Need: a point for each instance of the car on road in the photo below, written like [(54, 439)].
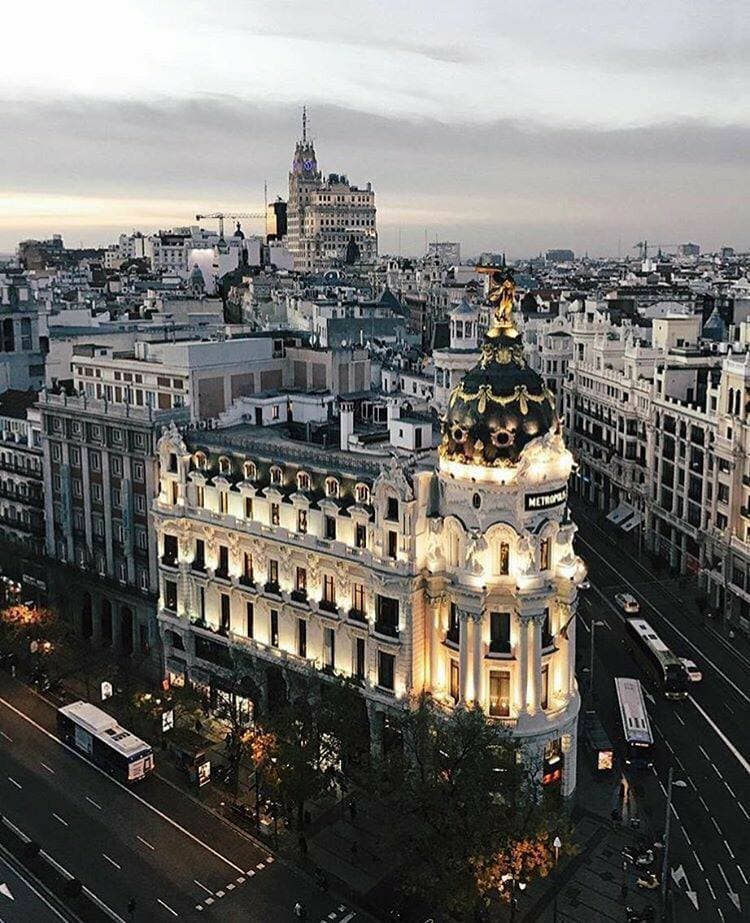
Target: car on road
[(694, 674), (585, 584), (627, 602)]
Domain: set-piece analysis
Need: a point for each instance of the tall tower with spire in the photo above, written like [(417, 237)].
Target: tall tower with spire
[(326, 218)]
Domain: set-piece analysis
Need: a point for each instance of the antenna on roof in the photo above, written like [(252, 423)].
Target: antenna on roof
[(304, 124)]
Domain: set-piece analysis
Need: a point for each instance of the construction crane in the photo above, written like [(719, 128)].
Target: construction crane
[(642, 248), (222, 215)]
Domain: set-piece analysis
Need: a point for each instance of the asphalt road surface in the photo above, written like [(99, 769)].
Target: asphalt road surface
[(704, 738), (150, 842), (21, 900)]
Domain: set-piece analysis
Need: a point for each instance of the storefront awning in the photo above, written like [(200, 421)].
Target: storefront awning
[(629, 524), (625, 516)]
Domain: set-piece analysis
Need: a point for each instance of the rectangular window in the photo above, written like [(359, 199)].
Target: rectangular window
[(116, 498), (223, 501), (273, 574), (329, 648), (454, 625), (329, 592), (455, 688), (500, 632), (499, 693), (247, 569), (170, 551), (250, 620), (226, 610), (392, 544), (392, 509), (387, 615), (274, 628), (248, 507), (544, 699), (95, 460), (199, 555), (302, 521), (170, 595), (358, 600), (200, 496), (138, 471), (386, 670), (359, 658), (274, 514), (300, 583), (544, 554), (330, 528), (360, 535), (140, 503), (117, 466), (504, 559), (301, 638), (222, 566)]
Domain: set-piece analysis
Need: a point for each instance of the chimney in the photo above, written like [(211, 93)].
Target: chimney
[(346, 423)]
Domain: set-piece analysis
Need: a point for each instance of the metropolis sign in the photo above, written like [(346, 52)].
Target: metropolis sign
[(546, 500)]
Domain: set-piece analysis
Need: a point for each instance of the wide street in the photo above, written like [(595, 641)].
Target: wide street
[(704, 738), (152, 843), (21, 900)]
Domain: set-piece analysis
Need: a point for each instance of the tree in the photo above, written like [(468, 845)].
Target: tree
[(460, 796)]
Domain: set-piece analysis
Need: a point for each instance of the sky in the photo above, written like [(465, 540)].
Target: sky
[(505, 125)]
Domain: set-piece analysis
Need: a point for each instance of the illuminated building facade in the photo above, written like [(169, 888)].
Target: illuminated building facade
[(277, 559)]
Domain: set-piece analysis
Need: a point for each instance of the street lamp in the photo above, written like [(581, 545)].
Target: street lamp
[(557, 846), (665, 859), (594, 624), (509, 879)]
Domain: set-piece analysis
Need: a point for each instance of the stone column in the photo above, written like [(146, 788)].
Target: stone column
[(570, 653), (521, 663), (463, 656), (570, 754), (478, 664), (534, 670), (436, 624)]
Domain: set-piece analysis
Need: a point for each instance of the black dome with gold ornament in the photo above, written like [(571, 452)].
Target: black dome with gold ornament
[(501, 404)]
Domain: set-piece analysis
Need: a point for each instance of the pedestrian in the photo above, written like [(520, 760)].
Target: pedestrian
[(300, 911), (302, 843)]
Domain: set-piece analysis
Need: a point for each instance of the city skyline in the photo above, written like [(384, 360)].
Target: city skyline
[(627, 125)]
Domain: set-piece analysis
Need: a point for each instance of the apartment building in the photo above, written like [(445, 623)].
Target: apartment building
[(21, 481)]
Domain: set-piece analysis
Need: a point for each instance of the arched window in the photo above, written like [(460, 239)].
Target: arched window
[(225, 466), (730, 400), (303, 480), (250, 471), (362, 493), (332, 487), (277, 475), (200, 461)]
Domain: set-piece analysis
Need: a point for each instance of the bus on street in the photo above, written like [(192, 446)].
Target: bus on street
[(100, 738), (636, 727), (666, 668)]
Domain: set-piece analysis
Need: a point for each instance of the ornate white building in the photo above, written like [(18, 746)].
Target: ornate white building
[(459, 580)]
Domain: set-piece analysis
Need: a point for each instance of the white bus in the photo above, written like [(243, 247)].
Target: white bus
[(97, 735), (667, 669), (636, 727)]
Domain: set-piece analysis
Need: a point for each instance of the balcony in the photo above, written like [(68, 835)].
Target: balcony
[(272, 587), (357, 615), (500, 647), (169, 560), (247, 580), (199, 567), (298, 596), (386, 630), (326, 605), (453, 635)]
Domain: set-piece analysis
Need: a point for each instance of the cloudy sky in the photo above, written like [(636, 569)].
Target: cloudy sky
[(502, 124)]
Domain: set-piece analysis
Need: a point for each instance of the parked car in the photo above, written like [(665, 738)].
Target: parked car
[(627, 603), (694, 674)]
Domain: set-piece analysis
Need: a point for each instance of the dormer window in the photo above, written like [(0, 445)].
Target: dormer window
[(277, 475), (250, 471), (303, 481), (225, 466), (362, 492), (332, 487), (200, 461)]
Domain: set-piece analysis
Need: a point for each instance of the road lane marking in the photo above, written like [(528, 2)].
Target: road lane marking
[(685, 834), (120, 785), (704, 753), (209, 901), (167, 907), (679, 718), (700, 653), (241, 880), (669, 745), (112, 861), (713, 893), (207, 890), (347, 918), (13, 782), (91, 801), (63, 822), (742, 874), (269, 859), (718, 773), (9, 739), (250, 873), (145, 842), (702, 801), (48, 768), (231, 886), (728, 743), (700, 864), (742, 808), (31, 887), (729, 789), (260, 866), (718, 828), (729, 849), (220, 893)]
